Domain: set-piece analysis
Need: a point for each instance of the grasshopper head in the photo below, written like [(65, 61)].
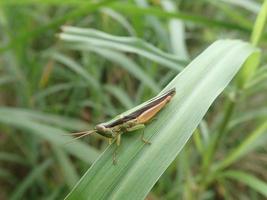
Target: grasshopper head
[(104, 131)]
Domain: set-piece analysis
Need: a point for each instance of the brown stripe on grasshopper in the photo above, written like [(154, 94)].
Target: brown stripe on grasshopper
[(150, 104), (151, 112)]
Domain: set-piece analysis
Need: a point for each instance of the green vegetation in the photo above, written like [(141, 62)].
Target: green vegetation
[(66, 66)]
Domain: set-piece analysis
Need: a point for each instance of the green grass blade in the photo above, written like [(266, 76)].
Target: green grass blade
[(177, 32), (6, 80), (92, 82), (153, 22), (248, 70), (29, 180), (248, 179), (140, 165), (254, 140), (84, 10), (252, 64), (6, 175), (56, 89), (120, 19), (258, 77), (54, 135), (248, 116), (127, 9), (128, 65), (46, 118), (123, 62), (252, 6), (126, 44), (68, 170), (54, 195), (259, 24), (10, 157), (120, 95)]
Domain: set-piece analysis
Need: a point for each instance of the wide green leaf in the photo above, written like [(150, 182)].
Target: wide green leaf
[(139, 165)]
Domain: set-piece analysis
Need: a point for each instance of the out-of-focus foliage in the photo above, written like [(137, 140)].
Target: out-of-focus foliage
[(53, 84)]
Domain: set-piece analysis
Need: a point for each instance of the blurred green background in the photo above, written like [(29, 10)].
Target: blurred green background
[(52, 82)]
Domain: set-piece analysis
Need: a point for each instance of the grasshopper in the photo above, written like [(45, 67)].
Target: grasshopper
[(133, 121)]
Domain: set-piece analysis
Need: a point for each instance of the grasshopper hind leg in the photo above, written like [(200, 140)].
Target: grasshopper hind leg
[(114, 156), (138, 127), (143, 138)]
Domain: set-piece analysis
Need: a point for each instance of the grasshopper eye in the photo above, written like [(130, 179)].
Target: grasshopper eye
[(101, 128)]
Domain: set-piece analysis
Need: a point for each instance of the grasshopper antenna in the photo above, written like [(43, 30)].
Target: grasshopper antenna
[(79, 135), (75, 134)]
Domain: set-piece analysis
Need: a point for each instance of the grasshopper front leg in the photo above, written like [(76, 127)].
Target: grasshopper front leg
[(114, 155)]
